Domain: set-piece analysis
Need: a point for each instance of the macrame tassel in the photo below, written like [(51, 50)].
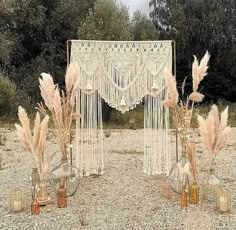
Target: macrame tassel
[(89, 134)]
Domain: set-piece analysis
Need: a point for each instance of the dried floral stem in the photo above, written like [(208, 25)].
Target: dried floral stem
[(35, 143), (61, 105), (214, 131), (181, 114)]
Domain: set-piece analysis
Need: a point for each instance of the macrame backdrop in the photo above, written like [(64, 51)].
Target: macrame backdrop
[(122, 73)]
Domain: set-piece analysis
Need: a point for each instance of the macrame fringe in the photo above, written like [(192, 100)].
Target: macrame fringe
[(122, 73)]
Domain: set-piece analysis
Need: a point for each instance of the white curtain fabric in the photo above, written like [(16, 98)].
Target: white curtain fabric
[(122, 73)]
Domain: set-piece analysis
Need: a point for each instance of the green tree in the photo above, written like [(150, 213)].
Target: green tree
[(197, 26), (8, 99), (142, 28), (108, 20), (34, 33)]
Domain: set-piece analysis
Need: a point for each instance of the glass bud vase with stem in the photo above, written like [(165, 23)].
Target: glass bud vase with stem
[(70, 174), (35, 178), (42, 196)]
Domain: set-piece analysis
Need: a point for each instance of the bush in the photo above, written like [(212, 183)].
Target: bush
[(131, 119), (8, 97)]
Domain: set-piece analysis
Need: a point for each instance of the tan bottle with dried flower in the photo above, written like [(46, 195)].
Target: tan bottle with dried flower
[(35, 207)]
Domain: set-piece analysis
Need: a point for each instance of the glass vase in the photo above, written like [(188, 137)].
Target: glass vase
[(35, 179), (194, 193), (210, 184), (176, 178), (70, 174), (42, 196)]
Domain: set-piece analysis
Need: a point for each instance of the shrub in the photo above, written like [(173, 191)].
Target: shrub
[(8, 97)]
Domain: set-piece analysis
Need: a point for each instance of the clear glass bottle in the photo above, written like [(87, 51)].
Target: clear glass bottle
[(211, 183), (42, 196), (175, 179), (35, 179)]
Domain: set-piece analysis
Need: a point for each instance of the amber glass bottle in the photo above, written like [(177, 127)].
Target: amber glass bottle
[(61, 196), (184, 197), (35, 208), (194, 193)]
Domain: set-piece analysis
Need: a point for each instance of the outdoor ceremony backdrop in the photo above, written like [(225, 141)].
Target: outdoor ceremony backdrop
[(33, 36)]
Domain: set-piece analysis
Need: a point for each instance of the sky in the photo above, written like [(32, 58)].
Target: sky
[(142, 5)]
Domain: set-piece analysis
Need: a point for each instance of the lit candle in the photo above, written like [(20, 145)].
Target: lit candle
[(17, 205), (223, 204)]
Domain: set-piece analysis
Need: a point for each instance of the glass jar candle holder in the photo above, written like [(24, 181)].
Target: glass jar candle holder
[(16, 200), (223, 203)]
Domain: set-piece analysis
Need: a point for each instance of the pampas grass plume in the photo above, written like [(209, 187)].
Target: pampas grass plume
[(47, 89), (199, 70), (171, 86), (196, 97), (71, 77)]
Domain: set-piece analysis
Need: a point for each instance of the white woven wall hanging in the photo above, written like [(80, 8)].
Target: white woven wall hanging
[(122, 73)]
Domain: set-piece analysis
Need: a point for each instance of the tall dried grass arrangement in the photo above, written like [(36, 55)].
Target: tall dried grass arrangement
[(60, 104), (182, 110), (214, 131), (34, 142)]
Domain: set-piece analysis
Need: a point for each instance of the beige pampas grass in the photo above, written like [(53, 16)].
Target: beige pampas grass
[(196, 97), (57, 106), (171, 86), (61, 104), (214, 130), (47, 89), (33, 144), (36, 133), (199, 71), (71, 77), (181, 110), (168, 103)]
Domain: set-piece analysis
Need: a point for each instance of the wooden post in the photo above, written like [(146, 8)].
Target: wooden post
[(174, 73), (67, 52)]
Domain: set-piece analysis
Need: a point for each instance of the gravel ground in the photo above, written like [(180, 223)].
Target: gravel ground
[(122, 198)]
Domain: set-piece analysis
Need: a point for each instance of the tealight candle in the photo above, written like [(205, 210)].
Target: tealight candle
[(223, 200), (223, 204), (17, 205)]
